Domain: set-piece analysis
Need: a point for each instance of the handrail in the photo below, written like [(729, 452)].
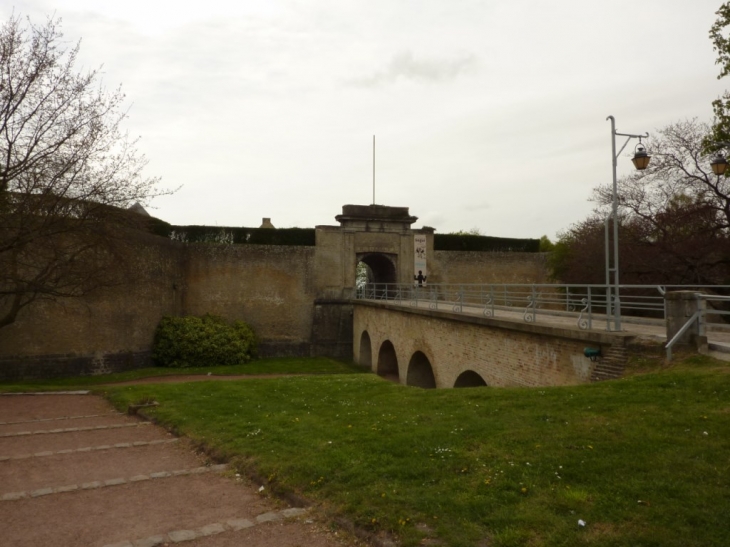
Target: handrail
[(639, 302), (697, 315)]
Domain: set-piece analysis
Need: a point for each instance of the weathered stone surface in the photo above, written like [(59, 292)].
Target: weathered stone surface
[(159, 475), (152, 541), (239, 524), (294, 512), (212, 529), (178, 536), (268, 517)]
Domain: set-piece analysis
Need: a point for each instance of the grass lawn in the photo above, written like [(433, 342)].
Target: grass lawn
[(292, 365), (642, 461)]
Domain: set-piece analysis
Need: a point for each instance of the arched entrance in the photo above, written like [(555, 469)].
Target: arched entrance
[(469, 378), (376, 268), (366, 352), (420, 372), (388, 362)]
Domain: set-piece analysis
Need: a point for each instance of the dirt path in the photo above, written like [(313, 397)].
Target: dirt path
[(177, 379), (74, 472)]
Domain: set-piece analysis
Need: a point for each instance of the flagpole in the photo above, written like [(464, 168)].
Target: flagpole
[(373, 169)]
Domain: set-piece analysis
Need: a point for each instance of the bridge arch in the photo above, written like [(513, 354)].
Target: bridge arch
[(366, 351), (388, 361), (469, 378), (380, 267), (420, 372)]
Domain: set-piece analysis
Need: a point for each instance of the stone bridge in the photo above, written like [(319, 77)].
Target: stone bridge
[(439, 349)]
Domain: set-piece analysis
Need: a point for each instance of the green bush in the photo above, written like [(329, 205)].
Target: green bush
[(202, 341)]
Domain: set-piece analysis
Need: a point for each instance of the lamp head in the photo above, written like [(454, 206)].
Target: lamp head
[(641, 158), (719, 165)]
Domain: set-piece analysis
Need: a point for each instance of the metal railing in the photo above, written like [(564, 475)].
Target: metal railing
[(699, 317), (584, 303)]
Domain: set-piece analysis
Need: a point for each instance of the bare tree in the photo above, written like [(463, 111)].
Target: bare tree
[(67, 171), (674, 218)]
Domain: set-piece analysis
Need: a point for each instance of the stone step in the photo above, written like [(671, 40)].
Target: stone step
[(51, 470), (127, 512), (213, 529), (33, 444), (93, 485), (56, 431)]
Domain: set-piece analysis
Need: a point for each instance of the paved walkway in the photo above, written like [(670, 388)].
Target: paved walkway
[(73, 472)]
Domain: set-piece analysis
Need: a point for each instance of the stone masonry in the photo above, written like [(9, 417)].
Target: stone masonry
[(502, 352)]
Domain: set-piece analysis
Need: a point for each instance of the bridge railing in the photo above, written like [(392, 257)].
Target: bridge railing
[(708, 305), (585, 304)]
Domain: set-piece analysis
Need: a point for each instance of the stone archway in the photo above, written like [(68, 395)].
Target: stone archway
[(469, 378), (379, 267), (388, 362), (366, 352), (420, 372)]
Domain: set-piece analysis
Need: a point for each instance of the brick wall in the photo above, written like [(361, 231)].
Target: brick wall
[(503, 353)]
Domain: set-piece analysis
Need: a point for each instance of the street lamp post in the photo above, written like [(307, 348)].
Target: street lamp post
[(641, 161)]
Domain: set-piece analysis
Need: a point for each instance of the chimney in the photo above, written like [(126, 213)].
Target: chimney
[(266, 223)]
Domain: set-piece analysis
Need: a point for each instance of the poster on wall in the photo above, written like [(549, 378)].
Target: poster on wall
[(419, 260)]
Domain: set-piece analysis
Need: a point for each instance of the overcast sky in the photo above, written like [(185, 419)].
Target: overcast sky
[(487, 114)]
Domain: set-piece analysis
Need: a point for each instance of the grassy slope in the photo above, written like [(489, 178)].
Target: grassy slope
[(643, 461)]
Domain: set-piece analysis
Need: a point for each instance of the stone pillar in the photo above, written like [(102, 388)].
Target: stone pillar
[(680, 307)]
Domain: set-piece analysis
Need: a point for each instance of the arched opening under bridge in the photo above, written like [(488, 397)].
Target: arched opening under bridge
[(469, 378), (388, 362), (420, 372), (366, 351)]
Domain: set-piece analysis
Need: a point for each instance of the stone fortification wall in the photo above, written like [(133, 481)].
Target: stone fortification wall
[(297, 298), (270, 287), (479, 267), (109, 330)]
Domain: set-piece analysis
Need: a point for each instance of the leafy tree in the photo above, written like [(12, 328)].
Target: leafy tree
[(674, 219), (721, 106), (546, 245), (67, 172)]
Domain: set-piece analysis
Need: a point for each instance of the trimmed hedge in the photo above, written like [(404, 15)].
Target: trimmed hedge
[(202, 341), (458, 242), (239, 236), (306, 237)]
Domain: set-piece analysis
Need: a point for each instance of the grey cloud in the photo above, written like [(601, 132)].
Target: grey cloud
[(483, 206), (404, 65)]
